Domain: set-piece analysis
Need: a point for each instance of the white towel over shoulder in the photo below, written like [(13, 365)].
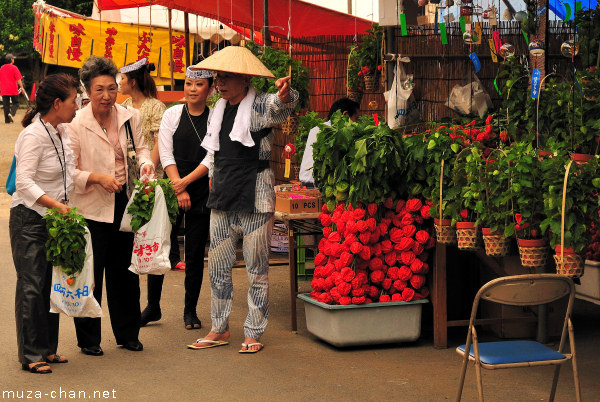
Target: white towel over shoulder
[(241, 126)]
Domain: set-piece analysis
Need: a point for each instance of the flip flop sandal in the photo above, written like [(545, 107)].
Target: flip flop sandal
[(210, 344), (246, 348), (37, 368), (56, 359)]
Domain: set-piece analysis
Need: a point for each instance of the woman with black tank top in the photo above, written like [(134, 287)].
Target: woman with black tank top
[(181, 132)]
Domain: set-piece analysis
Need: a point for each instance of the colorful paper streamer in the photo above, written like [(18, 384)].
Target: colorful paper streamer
[(493, 50), (462, 24), (403, 30), (525, 36), (476, 62), (535, 83), (443, 33)]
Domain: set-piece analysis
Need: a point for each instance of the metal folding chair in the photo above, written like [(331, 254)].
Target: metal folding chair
[(520, 290)]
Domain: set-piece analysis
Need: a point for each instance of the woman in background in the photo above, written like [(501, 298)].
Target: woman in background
[(44, 179)]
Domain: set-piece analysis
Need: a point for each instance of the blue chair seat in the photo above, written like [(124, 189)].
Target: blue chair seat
[(513, 352)]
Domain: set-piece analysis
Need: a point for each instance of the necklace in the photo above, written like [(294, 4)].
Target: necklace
[(103, 126), (192, 121)]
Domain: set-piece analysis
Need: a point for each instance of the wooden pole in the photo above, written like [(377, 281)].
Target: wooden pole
[(186, 22), (171, 51), (266, 36), (349, 6)]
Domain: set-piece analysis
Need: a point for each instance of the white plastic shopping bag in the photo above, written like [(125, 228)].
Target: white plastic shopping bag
[(127, 217), (152, 241), (75, 296), (401, 104)]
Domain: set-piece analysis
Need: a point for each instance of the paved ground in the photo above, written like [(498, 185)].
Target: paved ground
[(291, 367)]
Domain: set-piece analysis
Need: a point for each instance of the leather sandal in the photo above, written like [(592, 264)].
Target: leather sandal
[(37, 368)]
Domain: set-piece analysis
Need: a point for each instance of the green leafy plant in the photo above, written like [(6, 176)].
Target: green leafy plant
[(517, 112), (588, 33), (306, 123), (213, 99), (357, 161), (279, 62), (354, 79), (369, 53), (581, 200), (526, 189), (143, 202), (66, 240)]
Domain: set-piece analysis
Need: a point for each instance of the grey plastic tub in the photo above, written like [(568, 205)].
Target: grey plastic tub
[(367, 324)]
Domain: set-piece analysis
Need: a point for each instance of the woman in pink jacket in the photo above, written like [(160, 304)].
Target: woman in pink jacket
[(99, 143)]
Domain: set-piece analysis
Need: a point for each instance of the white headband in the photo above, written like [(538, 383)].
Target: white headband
[(197, 74), (134, 66)]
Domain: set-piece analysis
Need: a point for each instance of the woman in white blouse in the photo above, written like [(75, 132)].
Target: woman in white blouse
[(44, 179)]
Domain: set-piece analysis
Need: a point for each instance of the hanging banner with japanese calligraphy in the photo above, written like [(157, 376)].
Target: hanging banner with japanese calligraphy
[(70, 41)]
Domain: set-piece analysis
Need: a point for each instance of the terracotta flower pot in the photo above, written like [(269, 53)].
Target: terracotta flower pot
[(467, 236), (533, 252), (571, 264), (445, 232), (496, 245)]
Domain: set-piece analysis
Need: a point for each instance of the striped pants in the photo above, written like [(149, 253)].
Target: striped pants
[(226, 229)]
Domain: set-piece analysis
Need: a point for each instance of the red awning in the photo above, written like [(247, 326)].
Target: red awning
[(306, 19)]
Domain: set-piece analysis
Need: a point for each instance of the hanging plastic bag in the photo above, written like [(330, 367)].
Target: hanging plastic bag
[(152, 241), (470, 98), (401, 104), (74, 296), (127, 217)]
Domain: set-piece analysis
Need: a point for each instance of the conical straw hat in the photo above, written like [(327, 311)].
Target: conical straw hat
[(237, 60)]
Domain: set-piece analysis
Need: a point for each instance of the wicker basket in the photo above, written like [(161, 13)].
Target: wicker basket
[(571, 265), (290, 125), (445, 232), (533, 255), (372, 83), (467, 236), (568, 263), (496, 245)]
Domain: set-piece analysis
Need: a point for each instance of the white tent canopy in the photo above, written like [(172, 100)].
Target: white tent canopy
[(158, 16)]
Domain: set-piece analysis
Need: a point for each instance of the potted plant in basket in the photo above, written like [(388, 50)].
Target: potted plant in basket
[(354, 82), (487, 177), (568, 228), (443, 146), (370, 56), (526, 190), (467, 231), (279, 63)]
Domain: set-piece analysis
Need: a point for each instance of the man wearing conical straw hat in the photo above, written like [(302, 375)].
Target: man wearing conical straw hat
[(242, 199)]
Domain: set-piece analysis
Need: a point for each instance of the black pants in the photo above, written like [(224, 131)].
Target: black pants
[(37, 328), (112, 255), (6, 99), (196, 235)]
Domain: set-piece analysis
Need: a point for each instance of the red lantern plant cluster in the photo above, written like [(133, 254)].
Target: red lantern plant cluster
[(375, 254)]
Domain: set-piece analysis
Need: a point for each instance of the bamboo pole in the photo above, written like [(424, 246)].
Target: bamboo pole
[(171, 51), (186, 22)]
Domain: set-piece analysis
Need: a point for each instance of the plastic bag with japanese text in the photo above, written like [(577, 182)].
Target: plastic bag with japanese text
[(75, 296), (152, 242), (401, 103)]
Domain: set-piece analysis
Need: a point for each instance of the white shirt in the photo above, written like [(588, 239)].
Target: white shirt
[(306, 167), (168, 126), (39, 171)]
